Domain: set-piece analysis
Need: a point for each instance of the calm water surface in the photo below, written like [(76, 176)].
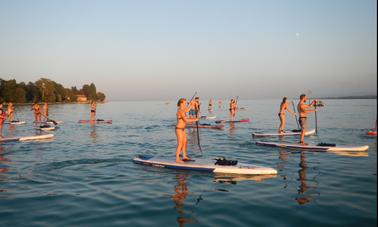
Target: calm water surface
[(85, 176)]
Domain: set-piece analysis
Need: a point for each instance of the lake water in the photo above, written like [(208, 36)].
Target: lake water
[(86, 177)]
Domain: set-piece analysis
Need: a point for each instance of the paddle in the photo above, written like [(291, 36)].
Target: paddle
[(198, 137), (316, 117), (296, 118)]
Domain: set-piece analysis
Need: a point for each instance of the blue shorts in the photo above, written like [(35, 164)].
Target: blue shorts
[(192, 112)]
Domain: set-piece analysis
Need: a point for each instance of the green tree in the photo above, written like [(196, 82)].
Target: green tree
[(101, 96)]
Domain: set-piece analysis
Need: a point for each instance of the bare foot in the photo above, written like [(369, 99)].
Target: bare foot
[(179, 161)]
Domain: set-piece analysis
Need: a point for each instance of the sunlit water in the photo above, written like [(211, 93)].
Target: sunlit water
[(86, 177)]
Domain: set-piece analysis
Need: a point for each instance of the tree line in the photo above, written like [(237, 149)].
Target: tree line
[(45, 90)]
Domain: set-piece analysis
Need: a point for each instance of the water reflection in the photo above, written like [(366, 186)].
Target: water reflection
[(11, 130), (306, 192), (179, 196), (234, 178), (3, 166), (93, 133)]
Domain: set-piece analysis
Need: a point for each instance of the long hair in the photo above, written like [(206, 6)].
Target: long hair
[(181, 100)]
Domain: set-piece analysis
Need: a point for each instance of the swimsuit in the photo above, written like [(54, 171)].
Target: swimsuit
[(303, 123)]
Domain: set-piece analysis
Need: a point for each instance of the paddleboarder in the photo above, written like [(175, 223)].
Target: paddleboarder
[(283, 108), (93, 107), (37, 112), (45, 110), (303, 110), (10, 112), (210, 105), (2, 119), (182, 120), (192, 111), (232, 109)]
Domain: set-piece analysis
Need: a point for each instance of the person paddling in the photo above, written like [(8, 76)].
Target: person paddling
[(2, 119), (37, 112), (45, 110), (93, 110), (210, 105), (283, 108), (10, 112), (232, 109), (303, 110), (182, 120)]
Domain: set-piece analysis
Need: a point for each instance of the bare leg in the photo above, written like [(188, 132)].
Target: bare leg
[(303, 131), (185, 141), (179, 145)]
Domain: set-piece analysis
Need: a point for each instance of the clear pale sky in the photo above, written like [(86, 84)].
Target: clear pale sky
[(150, 49)]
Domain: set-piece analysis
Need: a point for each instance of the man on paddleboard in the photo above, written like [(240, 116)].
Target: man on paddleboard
[(303, 110)]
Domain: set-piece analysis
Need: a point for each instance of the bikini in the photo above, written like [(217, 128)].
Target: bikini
[(179, 118)]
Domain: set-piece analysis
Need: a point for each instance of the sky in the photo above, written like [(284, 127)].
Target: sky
[(165, 49)]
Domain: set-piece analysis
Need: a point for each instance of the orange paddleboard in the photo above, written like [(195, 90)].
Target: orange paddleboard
[(372, 133)]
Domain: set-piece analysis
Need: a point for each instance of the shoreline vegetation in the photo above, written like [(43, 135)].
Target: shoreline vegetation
[(46, 90)]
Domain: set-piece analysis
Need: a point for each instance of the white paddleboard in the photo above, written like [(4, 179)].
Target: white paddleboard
[(308, 133), (206, 165), (26, 138), (313, 147), (15, 122)]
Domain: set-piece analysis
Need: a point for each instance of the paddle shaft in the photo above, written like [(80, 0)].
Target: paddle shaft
[(296, 118), (316, 118), (198, 137)]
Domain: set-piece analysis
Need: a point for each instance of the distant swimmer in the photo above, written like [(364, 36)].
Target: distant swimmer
[(10, 112), (283, 108), (37, 112), (93, 107), (45, 111), (182, 120), (303, 110), (2, 119), (220, 103)]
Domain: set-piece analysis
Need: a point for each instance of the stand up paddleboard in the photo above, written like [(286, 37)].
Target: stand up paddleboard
[(208, 117), (46, 128), (247, 120), (98, 121), (15, 122), (206, 165), (372, 133), (27, 138), (292, 133), (312, 147), (208, 126)]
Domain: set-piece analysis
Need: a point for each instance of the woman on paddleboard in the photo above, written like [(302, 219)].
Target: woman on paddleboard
[(10, 112), (303, 110), (37, 112), (283, 108), (182, 120), (232, 109), (92, 115)]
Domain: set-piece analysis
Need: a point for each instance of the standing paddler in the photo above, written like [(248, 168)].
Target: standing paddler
[(93, 107), (182, 120), (283, 108), (303, 110), (10, 112)]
